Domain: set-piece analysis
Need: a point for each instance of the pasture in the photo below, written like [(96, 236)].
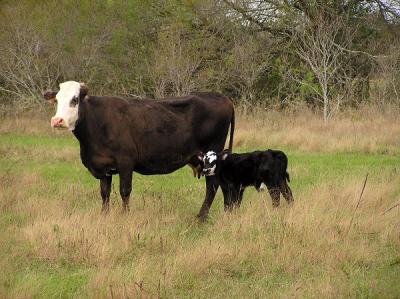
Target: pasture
[(330, 243)]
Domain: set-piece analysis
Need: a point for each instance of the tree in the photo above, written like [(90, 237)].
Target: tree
[(173, 65), (322, 48)]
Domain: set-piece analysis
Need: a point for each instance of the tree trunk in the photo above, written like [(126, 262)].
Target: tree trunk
[(326, 105)]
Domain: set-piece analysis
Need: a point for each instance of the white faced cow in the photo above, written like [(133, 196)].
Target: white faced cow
[(123, 135)]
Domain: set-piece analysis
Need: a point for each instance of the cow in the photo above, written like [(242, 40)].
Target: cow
[(235, 172), (125, 135)]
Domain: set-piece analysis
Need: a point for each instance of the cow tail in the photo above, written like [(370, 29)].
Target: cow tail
[(287, 176), (232, 130)]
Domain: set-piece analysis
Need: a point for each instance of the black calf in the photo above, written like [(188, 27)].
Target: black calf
[(235, 172)]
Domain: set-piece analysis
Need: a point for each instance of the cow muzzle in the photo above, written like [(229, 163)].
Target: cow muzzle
[(58, 122)]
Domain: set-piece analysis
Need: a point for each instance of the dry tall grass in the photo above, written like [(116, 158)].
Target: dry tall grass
[(367, 130), (308, 250), (371, 129), (312, 249)]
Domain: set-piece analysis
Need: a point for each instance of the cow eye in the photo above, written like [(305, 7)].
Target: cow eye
[(74, 102)]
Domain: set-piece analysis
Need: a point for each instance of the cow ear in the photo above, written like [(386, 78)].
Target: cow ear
[(83, 91), (50, 96)]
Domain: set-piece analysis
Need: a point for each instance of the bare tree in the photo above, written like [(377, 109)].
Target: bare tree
[(33, 61), (386, 78), (173, 65), (321, 47), (27, 66), (244, 66), (262, 15)]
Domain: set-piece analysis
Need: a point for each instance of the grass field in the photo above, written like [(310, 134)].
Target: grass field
[(55, 242)]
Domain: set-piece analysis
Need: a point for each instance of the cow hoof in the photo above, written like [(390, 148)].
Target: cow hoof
[(202, 218)]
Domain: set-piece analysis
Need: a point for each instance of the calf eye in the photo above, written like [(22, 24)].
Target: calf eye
[(74, 102)]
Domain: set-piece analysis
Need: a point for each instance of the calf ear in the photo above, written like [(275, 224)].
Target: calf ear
[(83, 91), (225, 153), (224, 156), (50, 96)]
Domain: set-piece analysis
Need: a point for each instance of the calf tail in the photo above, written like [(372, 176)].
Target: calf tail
[(232, 130), (284, 160)]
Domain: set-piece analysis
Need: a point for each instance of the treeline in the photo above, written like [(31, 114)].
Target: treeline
[(327, 54)]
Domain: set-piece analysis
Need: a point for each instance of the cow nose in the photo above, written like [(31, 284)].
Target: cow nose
[(57, 122)]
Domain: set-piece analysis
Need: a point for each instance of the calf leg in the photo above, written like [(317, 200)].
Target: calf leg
[(227, 191), (274, 191), (105, 190), (286, 191), (240, 197), (125, 187), (233, 197), (211, 190)]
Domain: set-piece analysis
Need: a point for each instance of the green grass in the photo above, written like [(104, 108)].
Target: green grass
[(46, 281), (64, 184), (309, 168)]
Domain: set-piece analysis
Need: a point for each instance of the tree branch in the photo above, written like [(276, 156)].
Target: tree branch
[(245, 14)]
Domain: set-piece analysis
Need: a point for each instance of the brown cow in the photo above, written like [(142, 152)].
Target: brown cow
[(123, 135)]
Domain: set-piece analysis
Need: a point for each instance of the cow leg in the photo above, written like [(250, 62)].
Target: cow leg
[(286, 192), (125, 187), (274, 191), (211, 190), (105, 190)]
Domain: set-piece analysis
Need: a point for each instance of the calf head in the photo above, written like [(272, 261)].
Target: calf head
[(69, 96), (210, 161)]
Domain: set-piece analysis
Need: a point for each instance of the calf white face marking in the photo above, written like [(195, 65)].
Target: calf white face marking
[(262, 187), (210, 163), (211, 156), (67, 105)]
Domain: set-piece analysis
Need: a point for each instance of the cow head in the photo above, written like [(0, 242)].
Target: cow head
[(69, 96)]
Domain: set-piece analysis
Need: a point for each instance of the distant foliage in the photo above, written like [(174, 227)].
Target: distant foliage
[(254, 51)]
